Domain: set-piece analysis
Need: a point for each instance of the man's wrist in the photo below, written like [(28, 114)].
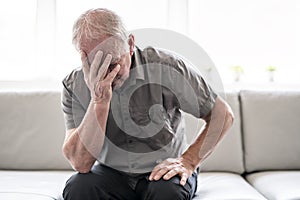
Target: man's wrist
[(192, 158), (100, 105), (101, 101)]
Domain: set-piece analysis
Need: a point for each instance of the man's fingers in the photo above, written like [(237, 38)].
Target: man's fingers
[(161, 170), (184, 177), (160, 173), (160, 166), (156, 169), (152, 175), (170, 174), (96, 64), (110, 77), (168, 169), (83, 56), (85, 65), (103, 69)]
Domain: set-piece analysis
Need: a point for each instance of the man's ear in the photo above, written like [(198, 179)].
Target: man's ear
[(131, 44)]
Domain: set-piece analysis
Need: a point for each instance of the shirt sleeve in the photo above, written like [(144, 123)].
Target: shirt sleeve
[(72, 108), (193, 93)]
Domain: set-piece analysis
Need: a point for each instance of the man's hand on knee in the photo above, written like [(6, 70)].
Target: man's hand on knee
[(172, 167)]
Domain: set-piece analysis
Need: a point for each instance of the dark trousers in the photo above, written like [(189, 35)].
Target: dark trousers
[(110, 184)]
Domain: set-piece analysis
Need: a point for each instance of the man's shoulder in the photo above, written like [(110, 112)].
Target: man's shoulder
[(75, 75), (168, 58), (75, 85), (158, 55)]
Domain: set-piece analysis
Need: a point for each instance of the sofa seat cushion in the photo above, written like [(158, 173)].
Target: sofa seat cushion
[(277, 185), (225, 186), (24, 196), (32, 185)]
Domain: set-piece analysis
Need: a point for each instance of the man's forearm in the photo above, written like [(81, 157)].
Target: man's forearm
[(84, 143), (217, 124)]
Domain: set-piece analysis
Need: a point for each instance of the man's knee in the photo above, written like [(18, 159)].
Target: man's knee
[(168, 190), (81, 185)]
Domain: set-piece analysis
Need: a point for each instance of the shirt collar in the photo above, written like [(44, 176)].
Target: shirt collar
[(136, 71)]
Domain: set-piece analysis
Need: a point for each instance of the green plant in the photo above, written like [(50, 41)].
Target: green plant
[(237, 69), (271, 68)]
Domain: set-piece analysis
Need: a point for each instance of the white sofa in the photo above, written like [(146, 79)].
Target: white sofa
[(258, 159)]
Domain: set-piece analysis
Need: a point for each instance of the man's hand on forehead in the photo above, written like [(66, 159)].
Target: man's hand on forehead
[(114, 46), (98, 77)]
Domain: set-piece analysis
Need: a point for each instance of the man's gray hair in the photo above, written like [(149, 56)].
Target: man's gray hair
[(97, 24)]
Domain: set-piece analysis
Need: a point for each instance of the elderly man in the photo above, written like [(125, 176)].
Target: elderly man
[(123, 113)]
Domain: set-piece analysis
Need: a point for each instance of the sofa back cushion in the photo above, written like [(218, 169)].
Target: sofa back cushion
[(228, 155), (271, 127), (31, 131)]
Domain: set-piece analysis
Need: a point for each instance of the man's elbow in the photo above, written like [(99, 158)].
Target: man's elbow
[(77, 164), (228, 118), (66, 151), (80, 166), (229, 115), (81, 169)]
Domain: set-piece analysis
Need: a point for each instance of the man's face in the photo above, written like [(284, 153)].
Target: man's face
[(119, 50)]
